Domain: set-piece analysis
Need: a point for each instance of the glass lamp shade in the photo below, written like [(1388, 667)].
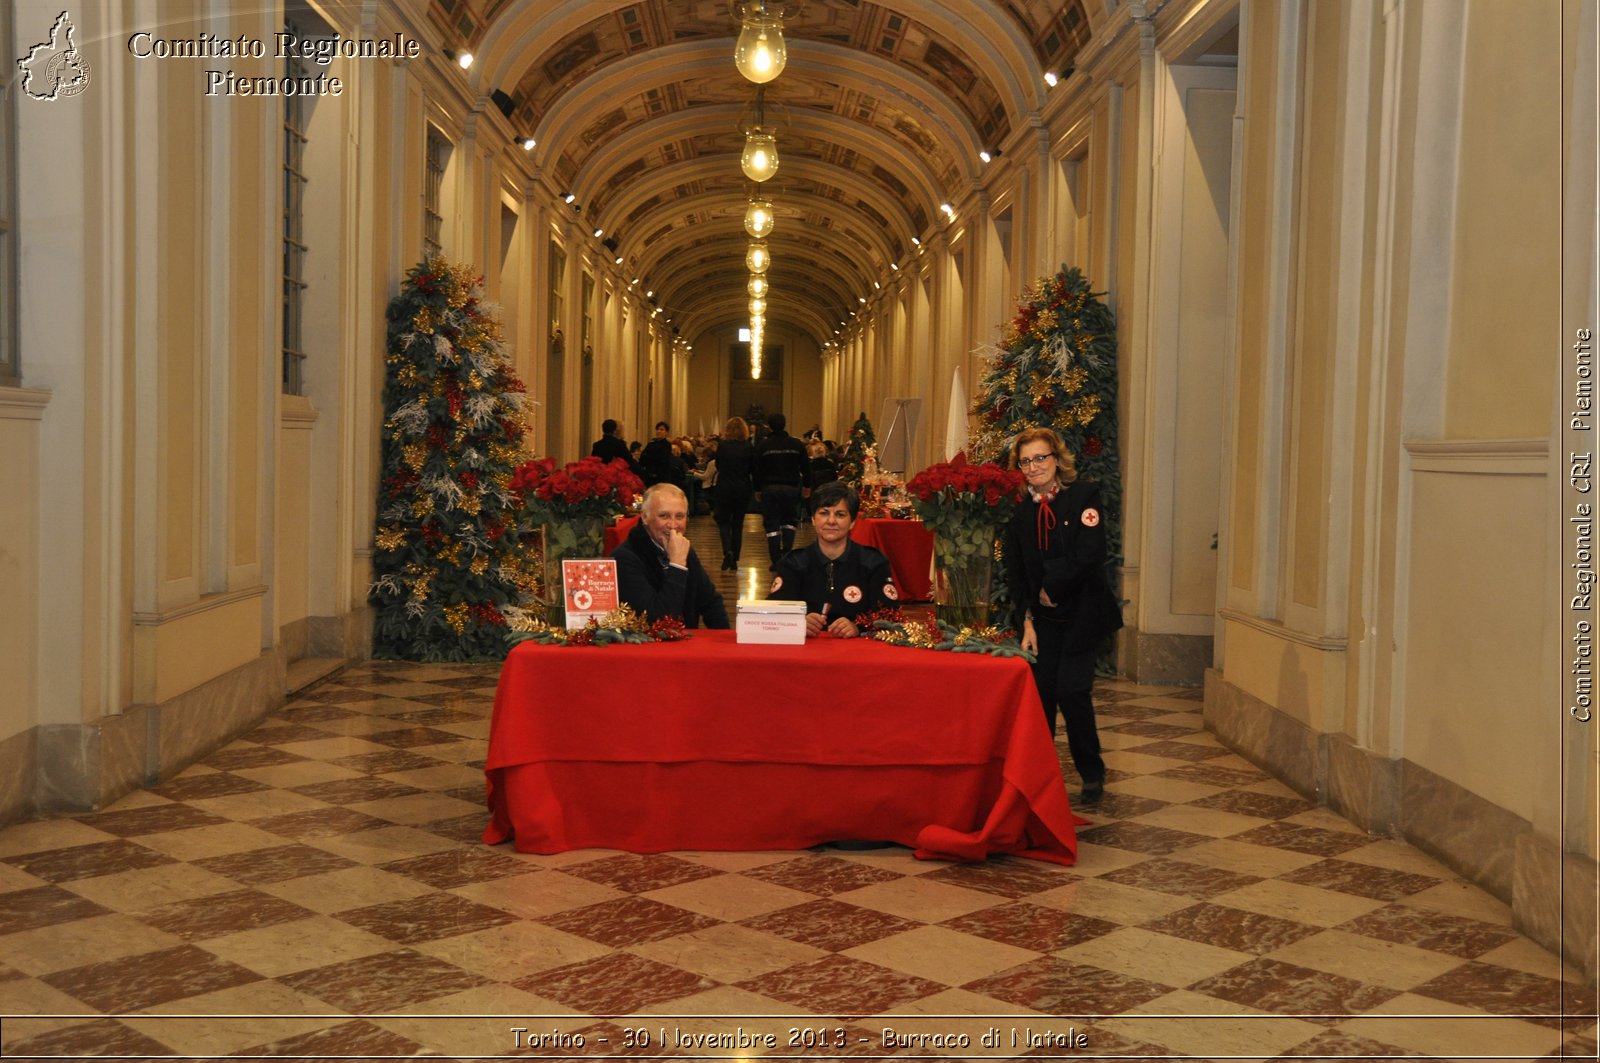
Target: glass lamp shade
[(757, 286), (760, 52), (758, 218), (758, 306), (760, 159), (757, 258)]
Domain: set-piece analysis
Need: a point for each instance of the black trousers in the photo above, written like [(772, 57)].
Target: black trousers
[(1066, 686), (728, 511)]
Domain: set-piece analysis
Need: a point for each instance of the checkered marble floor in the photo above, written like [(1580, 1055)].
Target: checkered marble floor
[(317, 888)]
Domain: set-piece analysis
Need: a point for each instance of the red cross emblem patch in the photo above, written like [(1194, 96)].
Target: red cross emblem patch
[(852, 594), (1090, 517)]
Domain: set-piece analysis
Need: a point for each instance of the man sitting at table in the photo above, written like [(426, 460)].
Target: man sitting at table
[(838, 578), (658, 573)]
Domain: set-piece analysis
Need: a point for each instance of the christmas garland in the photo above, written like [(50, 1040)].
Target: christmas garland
[(620, 625), (895, 628)]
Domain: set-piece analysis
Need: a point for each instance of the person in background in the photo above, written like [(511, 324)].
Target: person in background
[(656, 459), (734, 459), (838, 579), (658, 572), (820, 469), (1063, 604), (611, 446), (780, 476)]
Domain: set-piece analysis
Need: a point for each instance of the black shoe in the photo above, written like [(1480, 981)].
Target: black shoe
[(1092, 792)]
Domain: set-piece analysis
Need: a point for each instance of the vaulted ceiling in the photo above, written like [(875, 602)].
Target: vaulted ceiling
[(638, 112)]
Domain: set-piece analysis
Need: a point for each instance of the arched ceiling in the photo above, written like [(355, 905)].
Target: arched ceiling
[(638, 111)]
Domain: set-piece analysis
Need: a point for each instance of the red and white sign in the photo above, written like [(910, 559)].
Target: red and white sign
[(852, 594), (1090, 517), (590, 588)]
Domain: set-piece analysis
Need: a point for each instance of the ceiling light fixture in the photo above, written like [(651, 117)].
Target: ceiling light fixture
[(1051, 77), (757, 286), (464, 60), (760, 158), (760, 53), (569, 196), (758, 218), (757, 258), (528, 143)]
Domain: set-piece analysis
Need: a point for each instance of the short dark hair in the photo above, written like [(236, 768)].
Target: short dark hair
[(608, 426), (777, 421), (832, 493), (663, 424)]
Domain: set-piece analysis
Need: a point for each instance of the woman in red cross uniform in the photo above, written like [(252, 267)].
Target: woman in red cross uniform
[(1056, 568)]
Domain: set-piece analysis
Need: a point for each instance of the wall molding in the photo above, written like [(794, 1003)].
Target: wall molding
[(202, 605), (23, 404), (1278, 630), (1478, 457)]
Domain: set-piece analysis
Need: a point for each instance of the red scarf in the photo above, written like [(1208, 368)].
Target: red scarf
[(1046, 517)]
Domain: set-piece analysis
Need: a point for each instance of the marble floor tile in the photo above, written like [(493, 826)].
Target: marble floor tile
[(728, 952), (382, 982), (87, 861), (829, 925), (729, 897), (1231, 928), (628, 921), (60, 946), (641, 873), (284, 948), (508, 951), (918, 898), (1142, 953), (823, 875), (131, 983), (1356, 956), (1302, 903), (427, 917), (1056, 986), (839, 985), (942, 953), (614, 984), (1032, 926)]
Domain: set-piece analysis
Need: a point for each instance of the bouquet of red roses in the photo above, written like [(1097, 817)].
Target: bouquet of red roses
[(573, 503), (964, 501), (965, 505)]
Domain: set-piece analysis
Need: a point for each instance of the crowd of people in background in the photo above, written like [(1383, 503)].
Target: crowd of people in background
[(696, 463)]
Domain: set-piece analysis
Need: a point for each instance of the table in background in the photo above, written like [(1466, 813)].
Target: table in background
[(909, 546), (709, 744), (617, 532)]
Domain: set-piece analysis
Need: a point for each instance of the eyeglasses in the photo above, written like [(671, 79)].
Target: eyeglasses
[(1037, 459)]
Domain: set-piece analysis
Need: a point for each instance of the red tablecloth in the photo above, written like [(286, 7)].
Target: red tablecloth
[(709, 744), (617, 532), (909, 545)]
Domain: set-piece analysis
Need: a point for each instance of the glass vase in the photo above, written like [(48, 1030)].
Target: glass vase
[(580, 535), (965, 565)]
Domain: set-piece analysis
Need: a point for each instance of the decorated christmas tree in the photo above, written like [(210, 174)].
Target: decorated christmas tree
[(448, 572), (1056, 367), (857, 444)]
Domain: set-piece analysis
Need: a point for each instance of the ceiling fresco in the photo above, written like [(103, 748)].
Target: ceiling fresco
[(880, 115)]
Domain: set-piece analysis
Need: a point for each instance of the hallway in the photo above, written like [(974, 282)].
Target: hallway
[(325, 870)]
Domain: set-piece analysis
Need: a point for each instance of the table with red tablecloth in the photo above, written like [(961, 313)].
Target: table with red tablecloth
[(616, 533), (711, 744), (909, 547)]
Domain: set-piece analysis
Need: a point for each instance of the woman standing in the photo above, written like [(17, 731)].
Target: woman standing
[(1064, 607), (735, 458)]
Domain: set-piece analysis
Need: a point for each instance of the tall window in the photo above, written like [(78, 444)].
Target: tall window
[(296, 119), (433, 194)]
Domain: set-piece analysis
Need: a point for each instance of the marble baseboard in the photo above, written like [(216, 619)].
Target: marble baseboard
[(348, 636), (1551, 893), (1552, 900), (1166, 660), (1260, 733), (295, 638), (16, 776), (1361, 786), (80, 767)]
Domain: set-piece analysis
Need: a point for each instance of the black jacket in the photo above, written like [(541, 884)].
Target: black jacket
[(656, 461), (1071, 569), (735, 457), (861, 573), (781, 459), (609, 448), (654, 588)]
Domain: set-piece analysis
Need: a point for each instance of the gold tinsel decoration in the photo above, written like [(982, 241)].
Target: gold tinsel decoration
[(423, 320), (422, 506), (390, 539), (456, 616), (415, 454)]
